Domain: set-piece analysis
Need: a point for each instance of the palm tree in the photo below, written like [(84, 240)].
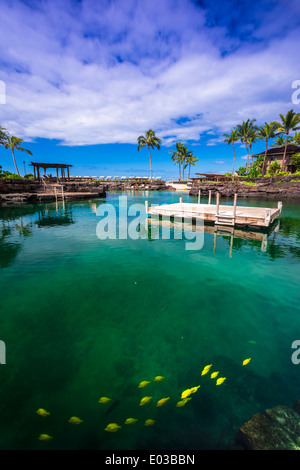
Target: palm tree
[(177, 157), (13, 143), (288, 123), (244, 131), (280, 141), (184, 154), (150, 140), (268, 131), (191, 160), (296, 138), (3, 135), (254, 136), (230, 139)]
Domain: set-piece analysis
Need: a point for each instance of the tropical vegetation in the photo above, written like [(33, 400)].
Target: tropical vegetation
[(249, 133)]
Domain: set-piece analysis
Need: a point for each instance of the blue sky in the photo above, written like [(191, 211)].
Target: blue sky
[(85, 78)]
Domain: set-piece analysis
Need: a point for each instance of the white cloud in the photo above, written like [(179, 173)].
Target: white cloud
[(63, 85)]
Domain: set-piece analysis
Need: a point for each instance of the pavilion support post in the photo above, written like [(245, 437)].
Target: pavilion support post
[(57, 177), (38, 172), (68, 173), (180, 200), (34, 172)]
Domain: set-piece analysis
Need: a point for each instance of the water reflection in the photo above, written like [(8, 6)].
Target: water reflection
[(237, 237), (18, 223), (50, 217)]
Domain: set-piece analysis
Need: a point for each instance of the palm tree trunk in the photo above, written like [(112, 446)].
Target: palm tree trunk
[(189, 171), (233, 157), (179, 171), (285, 149), (150, 163), (251, 154), (247, 157), (15, 161), (265, 157)]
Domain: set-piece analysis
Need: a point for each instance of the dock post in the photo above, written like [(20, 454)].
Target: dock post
[(234, 205), (279, 206), (146, 207), (209, 196), (218, 204), (180, 200), (199, 196), (267, 217)]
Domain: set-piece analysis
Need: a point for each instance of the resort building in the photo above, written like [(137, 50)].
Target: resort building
[(277, 153)]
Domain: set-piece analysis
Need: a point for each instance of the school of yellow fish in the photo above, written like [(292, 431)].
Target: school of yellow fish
[(114, 427)]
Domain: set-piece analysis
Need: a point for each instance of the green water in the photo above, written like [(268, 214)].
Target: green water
[(84, 318)]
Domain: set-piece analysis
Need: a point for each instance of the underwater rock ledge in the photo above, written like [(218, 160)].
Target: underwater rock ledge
[(274, 429)]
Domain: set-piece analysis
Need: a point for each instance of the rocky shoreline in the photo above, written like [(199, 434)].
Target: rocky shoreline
[(275, 188), (30, 191)]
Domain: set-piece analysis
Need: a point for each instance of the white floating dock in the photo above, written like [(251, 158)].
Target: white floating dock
[(219, 214)]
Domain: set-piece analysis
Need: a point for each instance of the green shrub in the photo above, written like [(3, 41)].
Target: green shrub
[(9, 175), (296, 160), (274, 168)]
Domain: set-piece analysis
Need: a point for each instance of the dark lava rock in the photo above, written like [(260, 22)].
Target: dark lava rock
[(274, 429)]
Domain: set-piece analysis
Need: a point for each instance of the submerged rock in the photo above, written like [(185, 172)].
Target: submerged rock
[(274, 429)]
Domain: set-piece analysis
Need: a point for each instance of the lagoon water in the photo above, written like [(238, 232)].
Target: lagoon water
[(83, 318)]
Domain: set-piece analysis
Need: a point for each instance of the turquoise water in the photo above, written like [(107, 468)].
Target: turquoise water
[(84, 318)]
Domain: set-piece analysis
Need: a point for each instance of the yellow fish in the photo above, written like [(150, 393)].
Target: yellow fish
[(162, 401), (45, 437), (42, 412), (246, 361), (206, 369), (75, 420), (220, 380), (104, 400), (131, 421), (186, 393), (149, 422), (144, 383), (145, 400), (182, 402), (112, 427), (194, 389), (158, 378), (214, 375)]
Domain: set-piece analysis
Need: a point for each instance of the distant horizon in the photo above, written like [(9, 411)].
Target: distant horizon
[(83, 79)]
